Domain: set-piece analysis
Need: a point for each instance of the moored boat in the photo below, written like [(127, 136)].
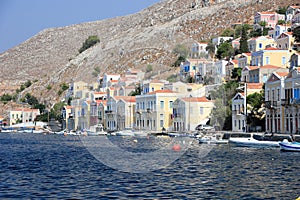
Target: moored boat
[(285, 145), (96, 130), (252, 142), (213, 139)]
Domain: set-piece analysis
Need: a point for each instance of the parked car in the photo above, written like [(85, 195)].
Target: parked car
[(204, 127)]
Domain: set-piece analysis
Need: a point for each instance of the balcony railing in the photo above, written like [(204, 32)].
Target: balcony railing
[(271, 104), (285, 102), (295, 102)]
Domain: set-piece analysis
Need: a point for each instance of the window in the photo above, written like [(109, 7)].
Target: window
[(162, 104), (265, 77), (161, 123), (201, 110), (278, 94), (283, 60), (260, 45), (171, 104), (267, 60)]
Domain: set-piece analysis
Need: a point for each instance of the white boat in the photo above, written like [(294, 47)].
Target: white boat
[(252, 142), (285, 145), (96, 130), (125, 132), (213, 139)]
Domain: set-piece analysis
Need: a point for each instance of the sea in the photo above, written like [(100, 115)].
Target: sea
[(37, 166)]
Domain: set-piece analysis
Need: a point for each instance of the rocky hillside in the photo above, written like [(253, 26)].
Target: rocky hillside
[(148, 37)]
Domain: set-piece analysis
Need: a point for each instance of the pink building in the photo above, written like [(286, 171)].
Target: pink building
[(270, 17)]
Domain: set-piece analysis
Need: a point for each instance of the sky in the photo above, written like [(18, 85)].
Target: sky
[(22, 19)]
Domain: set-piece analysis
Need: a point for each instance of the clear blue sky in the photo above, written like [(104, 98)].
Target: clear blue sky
[(22, 19)]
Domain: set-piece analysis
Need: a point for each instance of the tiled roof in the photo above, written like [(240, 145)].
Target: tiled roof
[(281, 74), (162, 91), (196, 99), (254, 85), (269, 67), (126, 98), (271, 48), (253, 67)]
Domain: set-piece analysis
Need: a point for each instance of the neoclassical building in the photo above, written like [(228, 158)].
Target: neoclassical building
[(282, 102)]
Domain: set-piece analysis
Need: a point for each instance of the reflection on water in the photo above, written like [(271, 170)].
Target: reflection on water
[(53, 166)]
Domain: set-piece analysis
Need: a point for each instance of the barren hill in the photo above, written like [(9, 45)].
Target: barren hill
[(148, 37)]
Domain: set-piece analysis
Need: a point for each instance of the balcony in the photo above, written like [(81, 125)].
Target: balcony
[(271, 104), (238, 112), (295, 102), (108, 111), (285, 102)]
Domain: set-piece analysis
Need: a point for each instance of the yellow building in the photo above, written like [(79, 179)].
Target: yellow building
[(275, 102), (271, 56), (154, 110), (152, 86), (190, 112), (260, 43)]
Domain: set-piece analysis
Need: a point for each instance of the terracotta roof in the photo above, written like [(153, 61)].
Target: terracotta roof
[(254, 85), (162, 91), (267, 13), (99, 92), (281, 74), (196, 99), (253, 67), (126, 98), (269, 67), (271, 48), (69, 107)]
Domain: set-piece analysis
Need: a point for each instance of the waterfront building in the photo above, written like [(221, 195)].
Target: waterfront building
[(118, 114), (126, 112), (189, 68), (189, 112), (238, 107), (154, 110), (245, 73), (275, 102), (67, 118), (22, 115), (292, 102)]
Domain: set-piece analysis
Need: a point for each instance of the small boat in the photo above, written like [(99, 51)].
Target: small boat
[(252, 142), (285, 145), (96, 130), (213, 139), (125, 132)]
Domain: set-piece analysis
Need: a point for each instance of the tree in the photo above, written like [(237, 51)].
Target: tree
[(244, 40), (181, 51), (211, 49), (281, 10), (296, 34), (91, 41), (255, 103), (228, 33), (179, 60), (138, 91), (221, 113), (225, 51), (236, 73)]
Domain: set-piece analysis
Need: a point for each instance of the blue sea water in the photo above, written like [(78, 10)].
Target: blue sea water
[(36, 166)]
